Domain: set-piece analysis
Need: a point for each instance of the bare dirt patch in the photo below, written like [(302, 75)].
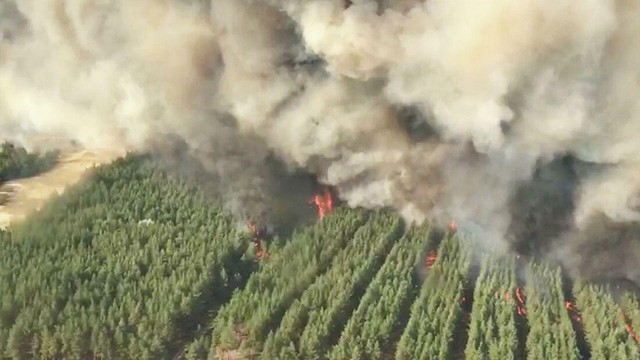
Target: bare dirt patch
[(23, 196)]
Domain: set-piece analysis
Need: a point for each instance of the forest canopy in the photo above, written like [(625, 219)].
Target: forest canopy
[(16, 162)]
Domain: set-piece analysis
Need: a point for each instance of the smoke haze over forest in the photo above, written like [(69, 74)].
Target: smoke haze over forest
[(520, 120)]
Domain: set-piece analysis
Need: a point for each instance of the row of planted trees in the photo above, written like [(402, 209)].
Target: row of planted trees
[(243, 323), (551, 334), (437, 310), (382, 311), (492, 328), (606, 322), (312, 323)]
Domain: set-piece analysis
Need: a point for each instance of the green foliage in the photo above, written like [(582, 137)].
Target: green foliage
[(551, 333), (631, 308), (198, 348), (492, 330), (131, 265), (246, 320), (434, 314), (86, 278), (604, 324), (16, 162), (313, 321), (368, 333)]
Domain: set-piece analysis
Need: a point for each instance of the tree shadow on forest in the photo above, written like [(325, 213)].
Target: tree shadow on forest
[(203, 309)]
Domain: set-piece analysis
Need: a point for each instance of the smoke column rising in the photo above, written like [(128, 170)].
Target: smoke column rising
[(521, 120)]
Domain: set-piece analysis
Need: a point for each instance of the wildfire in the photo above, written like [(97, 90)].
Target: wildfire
[(323, 202), (253, 230), (573, 312), (431, 259), (634, 335), (261, 253), (452, 227), (520, 298)]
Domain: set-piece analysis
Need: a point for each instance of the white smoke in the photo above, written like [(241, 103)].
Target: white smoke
[(502, 86)]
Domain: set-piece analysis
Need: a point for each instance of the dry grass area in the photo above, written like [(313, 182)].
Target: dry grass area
[(24, 196)]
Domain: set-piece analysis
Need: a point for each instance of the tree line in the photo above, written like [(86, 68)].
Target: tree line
[(16, 162)]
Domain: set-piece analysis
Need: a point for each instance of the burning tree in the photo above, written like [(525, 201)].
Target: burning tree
[(323, 202), (521, 308), (631, 312), (431, 259), (452, 227), (609, 334), (492, 324), (551, 333), (258, 236)]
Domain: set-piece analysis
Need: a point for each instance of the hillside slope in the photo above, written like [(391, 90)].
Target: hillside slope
[(128, 264)]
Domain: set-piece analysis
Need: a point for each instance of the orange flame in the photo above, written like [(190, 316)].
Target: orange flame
[(573, 311), (521, 311), (452, 227), (568, 305), (323, 202), (520, 306), (519, 298), (431, 259), (519, 295), (261, 253)]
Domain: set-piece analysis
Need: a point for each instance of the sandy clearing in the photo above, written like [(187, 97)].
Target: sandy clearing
[(28, 195)]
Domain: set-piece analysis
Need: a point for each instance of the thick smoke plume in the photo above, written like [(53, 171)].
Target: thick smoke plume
[(521, 120)]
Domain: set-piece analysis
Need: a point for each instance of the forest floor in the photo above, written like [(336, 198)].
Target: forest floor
[(23, 196)]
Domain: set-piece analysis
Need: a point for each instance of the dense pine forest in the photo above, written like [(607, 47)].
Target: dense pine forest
[(129, 264)]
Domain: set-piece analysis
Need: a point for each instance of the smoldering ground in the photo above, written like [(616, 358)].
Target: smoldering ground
[(520, 120)]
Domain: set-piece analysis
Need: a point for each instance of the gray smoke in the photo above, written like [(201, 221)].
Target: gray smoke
[(520, 120)]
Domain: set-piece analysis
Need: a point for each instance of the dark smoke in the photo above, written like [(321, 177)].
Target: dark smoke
[(253, 184), (604, 250), (542, 208)]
